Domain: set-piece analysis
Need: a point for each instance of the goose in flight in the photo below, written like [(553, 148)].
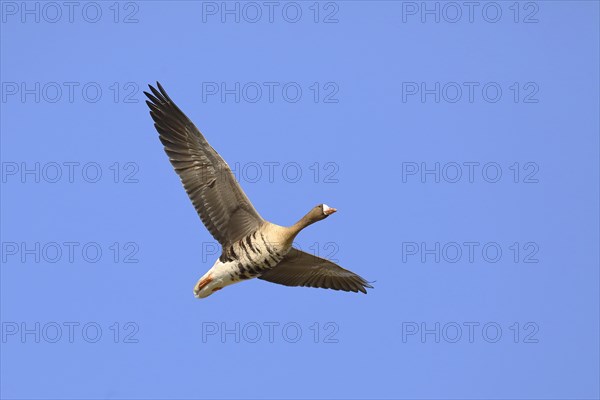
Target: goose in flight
[(251, 246)]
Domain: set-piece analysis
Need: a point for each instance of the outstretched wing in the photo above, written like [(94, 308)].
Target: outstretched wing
[(219, 200), (302, 269)]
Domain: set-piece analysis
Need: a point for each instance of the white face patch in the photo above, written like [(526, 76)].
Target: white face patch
[(326, 208)]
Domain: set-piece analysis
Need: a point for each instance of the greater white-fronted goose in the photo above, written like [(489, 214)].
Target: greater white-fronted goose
[(251, 246)]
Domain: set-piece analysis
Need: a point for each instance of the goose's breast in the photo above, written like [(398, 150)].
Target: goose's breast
[(253, 255)]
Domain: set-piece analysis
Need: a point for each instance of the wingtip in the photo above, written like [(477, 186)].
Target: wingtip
[(162, 91), (366, 285), (156, 97)]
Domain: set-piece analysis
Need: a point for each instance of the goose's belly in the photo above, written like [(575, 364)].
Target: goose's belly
[(245, 259), (252, 256)]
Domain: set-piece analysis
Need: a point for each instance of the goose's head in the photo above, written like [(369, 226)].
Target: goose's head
[(320, 212), (317, 213)]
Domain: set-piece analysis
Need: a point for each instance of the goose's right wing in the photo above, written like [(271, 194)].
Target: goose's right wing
[(221, 203), (303, 269)]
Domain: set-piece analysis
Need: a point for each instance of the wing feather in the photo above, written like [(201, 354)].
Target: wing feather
[(303, 269), (217, 197)]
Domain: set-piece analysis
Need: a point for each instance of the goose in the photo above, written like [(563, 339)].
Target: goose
[(251, 246)]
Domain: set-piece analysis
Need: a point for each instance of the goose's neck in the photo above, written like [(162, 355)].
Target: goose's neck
[(303, 223)]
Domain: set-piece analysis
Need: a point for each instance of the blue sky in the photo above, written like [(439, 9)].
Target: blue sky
[(459, 144)]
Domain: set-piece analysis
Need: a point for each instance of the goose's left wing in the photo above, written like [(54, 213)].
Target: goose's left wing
[(221, 203), (302, 269)]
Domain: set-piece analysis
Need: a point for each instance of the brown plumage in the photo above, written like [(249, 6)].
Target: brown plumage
[(252, 247)]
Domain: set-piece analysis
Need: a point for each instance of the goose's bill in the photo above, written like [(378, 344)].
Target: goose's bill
[(328, 210)]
